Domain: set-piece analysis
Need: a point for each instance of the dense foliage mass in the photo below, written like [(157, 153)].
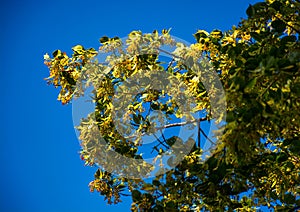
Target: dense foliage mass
[(256, 161)]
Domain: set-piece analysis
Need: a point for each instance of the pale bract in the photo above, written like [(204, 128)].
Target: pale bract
[(125, 98)]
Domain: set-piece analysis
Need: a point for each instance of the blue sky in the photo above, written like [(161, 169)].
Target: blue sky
[(41, 169)]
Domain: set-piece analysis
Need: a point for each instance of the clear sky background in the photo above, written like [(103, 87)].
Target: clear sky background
[(41, 169)]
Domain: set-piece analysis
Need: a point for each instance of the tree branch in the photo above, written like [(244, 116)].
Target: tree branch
[(160, 142), (179, 124), (199, 133), (207, 136), (166, 52), (170, 64), (267, 88)]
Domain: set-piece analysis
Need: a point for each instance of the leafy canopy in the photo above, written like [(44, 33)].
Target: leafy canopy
[(255, 162)]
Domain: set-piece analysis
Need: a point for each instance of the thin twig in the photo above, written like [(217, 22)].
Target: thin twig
[(173, 55), (160, 142), (207, 137), (267, 88), (170, 63), (172, 125), (162, 135), (199, 135), (182, 123), (178, 71)]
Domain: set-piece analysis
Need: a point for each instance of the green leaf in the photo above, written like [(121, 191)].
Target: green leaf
[(78, 48), (136, 195), (276, 5), (170, 161), (287, 142), (278, 25), (166, 31), (148, 197), (216, 34), (288, 39), (295, 147), (56, 53), (281, 157), (250, 85), (256, 36), (170, 205), (212, 163), (115, 38), (136, 119), (156, 182), (92, 51), (104, 39), (148, 187), (172, 140), (251, 63), (200, 34), (250, 11), (259, 6), (289, 198), (154, 106)]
